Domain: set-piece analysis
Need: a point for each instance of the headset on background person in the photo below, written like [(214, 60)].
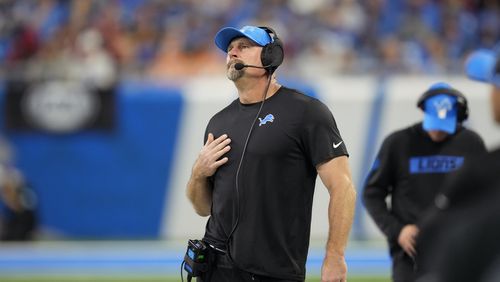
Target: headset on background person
[(462, 104)]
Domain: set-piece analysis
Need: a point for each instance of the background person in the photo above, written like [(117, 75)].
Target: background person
[(412, 166), (460, 235), (19, 221)]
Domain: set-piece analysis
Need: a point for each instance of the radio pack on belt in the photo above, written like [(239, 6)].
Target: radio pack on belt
[(195, 260)]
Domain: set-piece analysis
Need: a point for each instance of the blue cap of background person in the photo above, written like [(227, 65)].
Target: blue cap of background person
[(483, 65), (227, 34), (440, 111)]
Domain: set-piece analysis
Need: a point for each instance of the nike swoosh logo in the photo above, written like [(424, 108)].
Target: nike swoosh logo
[(335, 146)]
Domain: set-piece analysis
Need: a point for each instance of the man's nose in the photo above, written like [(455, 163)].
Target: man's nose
[(233, 53)]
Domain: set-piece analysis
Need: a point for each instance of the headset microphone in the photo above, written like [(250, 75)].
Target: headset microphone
[(240, 66)]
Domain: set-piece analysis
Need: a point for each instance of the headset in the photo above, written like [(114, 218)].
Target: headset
[(272, 53), (462, 104)]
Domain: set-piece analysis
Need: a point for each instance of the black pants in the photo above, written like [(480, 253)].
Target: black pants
[(222, 270), (403, 267)]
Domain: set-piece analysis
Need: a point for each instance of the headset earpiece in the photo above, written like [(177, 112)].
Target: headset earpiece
[(462, 104), (272, 54)]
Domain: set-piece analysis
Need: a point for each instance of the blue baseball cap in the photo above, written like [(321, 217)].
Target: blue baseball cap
[(441, 113), (227, 34), (483, 65)]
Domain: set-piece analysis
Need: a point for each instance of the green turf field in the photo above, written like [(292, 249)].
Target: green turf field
[(145, 279)]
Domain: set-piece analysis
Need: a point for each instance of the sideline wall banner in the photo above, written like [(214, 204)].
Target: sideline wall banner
[(105, 184), (58, 106)]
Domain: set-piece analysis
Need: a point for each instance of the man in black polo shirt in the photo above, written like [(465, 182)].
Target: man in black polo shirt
[(412, 166), (256, 173)]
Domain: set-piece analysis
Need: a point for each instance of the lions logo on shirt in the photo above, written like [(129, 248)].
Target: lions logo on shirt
[(268, 118)]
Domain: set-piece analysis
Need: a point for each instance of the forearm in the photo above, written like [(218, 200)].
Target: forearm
[(199, 193), (341, 216)]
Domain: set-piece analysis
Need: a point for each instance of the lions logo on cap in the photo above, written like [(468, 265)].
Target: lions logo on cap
[(443, 107)]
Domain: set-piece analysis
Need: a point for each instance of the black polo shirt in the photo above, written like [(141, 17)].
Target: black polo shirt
[(291, 136)]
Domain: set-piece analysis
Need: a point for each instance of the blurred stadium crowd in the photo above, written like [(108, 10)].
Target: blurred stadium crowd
[(174, 38)]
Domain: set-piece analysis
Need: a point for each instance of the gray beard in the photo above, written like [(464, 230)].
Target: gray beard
[(234, 74)]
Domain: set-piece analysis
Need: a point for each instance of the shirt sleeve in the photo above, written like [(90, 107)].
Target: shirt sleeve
[(378, 185), (319, 134)]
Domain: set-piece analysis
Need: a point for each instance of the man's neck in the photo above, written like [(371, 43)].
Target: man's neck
[(252, 90)]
